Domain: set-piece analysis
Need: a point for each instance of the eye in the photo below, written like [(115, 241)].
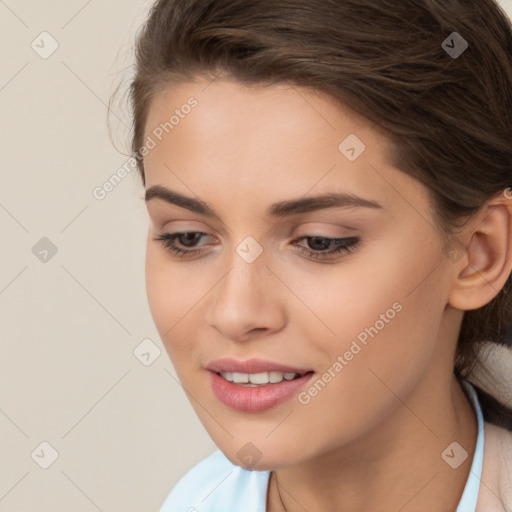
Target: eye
[(321, 243), (187, 239), (318, 249)]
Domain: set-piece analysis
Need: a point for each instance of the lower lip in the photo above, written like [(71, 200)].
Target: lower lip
[(255, 399)]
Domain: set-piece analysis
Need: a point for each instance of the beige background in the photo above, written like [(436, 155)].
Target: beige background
[(124, 432)]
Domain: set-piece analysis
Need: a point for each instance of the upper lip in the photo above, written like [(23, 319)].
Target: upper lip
[(251, 366)]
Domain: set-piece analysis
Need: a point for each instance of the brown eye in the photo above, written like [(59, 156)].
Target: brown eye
[(187, 239), (319, 244)]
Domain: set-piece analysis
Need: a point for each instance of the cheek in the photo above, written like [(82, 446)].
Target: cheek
[(174, 295), (385, 325), (383, 313)]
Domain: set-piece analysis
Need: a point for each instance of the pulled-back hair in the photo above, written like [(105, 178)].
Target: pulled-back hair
[(448, 117)]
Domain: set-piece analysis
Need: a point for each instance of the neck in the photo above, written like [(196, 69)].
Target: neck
[(396, 466)]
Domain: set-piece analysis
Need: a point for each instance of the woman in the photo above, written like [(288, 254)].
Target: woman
[(330, 246)]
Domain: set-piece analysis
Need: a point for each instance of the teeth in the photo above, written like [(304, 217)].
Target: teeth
[(258, 378), (240, 378), (274, 377), (227, 376)]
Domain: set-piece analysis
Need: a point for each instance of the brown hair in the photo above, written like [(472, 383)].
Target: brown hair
[(447, 116)]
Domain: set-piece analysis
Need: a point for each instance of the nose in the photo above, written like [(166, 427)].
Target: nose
[(247, 302)]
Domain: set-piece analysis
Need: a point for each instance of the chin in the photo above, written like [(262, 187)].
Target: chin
[(250, 457)]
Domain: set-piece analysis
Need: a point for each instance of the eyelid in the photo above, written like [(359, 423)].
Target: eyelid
[(182, 226), (165, 221), (324, 229), (304, 230)]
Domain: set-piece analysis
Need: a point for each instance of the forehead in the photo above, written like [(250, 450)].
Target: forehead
[(263, 143), (229, 109)]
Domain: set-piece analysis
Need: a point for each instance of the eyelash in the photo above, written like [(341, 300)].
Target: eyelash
[(345, 245)]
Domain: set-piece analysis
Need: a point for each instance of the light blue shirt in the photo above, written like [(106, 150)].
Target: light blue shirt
[(217, 485)]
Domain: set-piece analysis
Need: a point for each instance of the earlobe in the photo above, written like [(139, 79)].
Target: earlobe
[(488, 261)]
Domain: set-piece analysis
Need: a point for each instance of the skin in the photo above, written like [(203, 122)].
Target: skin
[(372, 438)]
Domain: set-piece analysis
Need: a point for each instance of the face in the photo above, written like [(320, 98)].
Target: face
[(348, 292)]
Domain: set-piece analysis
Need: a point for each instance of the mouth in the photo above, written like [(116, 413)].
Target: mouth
[(261, 378), (255, 386)]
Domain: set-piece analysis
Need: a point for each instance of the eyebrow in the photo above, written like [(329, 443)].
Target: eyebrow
[(281, 209)]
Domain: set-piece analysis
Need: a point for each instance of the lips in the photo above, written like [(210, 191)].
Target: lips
[(252, 366), (243, 397)]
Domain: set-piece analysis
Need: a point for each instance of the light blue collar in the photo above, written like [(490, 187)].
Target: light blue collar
[(470, 494)]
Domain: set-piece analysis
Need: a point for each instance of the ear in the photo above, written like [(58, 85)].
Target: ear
[(487, 263)]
